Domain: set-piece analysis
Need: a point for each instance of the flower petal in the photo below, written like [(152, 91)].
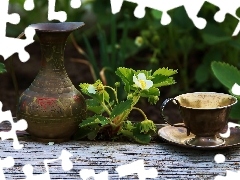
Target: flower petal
[(135, 79), (141, 76), (149, 84), (236, 89), (91, 89)]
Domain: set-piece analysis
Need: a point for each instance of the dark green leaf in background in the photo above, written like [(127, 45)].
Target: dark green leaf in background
[(156, 14), (227, 74), (2, 68)]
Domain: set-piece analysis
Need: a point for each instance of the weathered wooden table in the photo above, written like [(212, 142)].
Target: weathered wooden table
[(170, 161)]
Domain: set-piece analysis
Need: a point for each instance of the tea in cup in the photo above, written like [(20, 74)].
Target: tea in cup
[(204, 114)]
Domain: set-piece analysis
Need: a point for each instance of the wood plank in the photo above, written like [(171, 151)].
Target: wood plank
[(171, 162)]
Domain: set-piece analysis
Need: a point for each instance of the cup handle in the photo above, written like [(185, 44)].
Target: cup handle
[(164, 118)]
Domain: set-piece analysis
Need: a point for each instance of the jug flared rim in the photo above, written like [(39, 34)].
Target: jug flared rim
[(57, 27)]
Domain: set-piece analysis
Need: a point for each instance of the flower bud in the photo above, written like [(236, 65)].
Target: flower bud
[(139, 41), (147, 126), (100, 87), (156, 40), (117, 84), (130, 96)]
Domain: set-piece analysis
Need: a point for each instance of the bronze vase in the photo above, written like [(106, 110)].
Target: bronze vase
[(52, 106)]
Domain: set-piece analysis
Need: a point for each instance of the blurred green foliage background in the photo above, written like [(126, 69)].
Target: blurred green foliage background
[(110, 41)]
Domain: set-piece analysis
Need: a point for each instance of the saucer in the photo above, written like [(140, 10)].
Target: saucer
[(178, 136)]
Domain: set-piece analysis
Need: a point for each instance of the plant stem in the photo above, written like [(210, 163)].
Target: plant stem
[(115, 93), (83, 61), (141, 111), (105, 108), (113, 35), (125, 115)]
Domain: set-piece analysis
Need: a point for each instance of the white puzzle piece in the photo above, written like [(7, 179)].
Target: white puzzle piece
[(192, 9)]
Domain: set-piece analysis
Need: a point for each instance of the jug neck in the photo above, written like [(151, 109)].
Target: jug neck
[(52, 49)]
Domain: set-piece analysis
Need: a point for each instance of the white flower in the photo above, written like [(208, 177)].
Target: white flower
[(236, 89), (142, 82), (91, 89)]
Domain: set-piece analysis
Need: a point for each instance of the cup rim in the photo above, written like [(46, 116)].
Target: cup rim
[(222, 107)]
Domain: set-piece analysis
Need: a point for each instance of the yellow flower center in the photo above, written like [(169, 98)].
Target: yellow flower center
[(100, 87), (143, 83)]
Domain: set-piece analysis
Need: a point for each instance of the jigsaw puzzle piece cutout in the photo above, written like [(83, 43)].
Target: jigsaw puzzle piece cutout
[(238, 12), (60, 15), (9, 46), (164, 7), (65, 162), (116, 5), (75, 4), (7, 162), (28, 171), (178, 14), (225, 7), (213, 27), (85, 174), (53, 15), (140, 12), (192, 11), (14, 45), (13, 18), (18, 126), (138, 168), (29, 5)]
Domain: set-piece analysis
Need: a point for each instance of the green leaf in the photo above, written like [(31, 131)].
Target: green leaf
[(160, 80), (126, 133), (235, 113), (212, 34), (227, 74), (150, 92), (213, 39), (125, 74), (127, 88), (83, 87), (100, 95), (94, 120), (92, 135), (141, 137), (89, 121), (147, 73), (121, 107), (165, 72), (2, 68), (94, 106)]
